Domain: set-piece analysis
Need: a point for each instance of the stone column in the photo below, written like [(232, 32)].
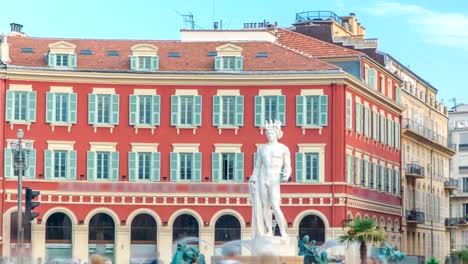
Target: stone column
[(80, 242), (38, 242), (122, 245), (6, 235), (207, 235), (246, 234), (165, 244)]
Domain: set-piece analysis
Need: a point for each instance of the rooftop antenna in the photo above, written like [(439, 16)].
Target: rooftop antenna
[(454, 101), (188, 20)]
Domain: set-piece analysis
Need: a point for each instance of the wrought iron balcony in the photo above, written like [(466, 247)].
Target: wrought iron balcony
[(463, 221), (414, 170), (452, 222), (415, 216), (424, 131), (451, 184)]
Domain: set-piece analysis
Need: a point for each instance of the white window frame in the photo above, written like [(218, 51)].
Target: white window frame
[(104, 91), (315, 148)]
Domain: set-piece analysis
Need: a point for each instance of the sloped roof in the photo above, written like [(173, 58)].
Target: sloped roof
[(312, 46), (193, 55)]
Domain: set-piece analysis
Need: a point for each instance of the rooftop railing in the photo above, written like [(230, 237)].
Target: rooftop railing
[(317, 16)]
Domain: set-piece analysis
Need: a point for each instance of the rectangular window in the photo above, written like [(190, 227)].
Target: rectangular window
[(465, 184), (312, 110), (350, 168), (144, 165), (103, 159), (61, 107), (60, 164), (144, 109), (270, 107), (144, 62), (311, 166), (185, 166), (227, 166), (349, 114), (61, 60), (103, 108), (358, 118), (463, 170), (21, 106), (229, 110), (375, 176), (359, 179), (229, 62), (186, 106)]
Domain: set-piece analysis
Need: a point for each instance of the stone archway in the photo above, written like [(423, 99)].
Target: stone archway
[(58, 236), (313, 226), (101, 236), (143, 239)]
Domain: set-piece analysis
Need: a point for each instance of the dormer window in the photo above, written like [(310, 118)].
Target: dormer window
[(144, 58), (62, 54), (229, 58)]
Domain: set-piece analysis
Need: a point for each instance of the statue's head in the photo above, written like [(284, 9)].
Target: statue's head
[(313, 242), (273, 130), (305, 239)]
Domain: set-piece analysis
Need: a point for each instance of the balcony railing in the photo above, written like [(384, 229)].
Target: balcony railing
[(317, 16), (452, 222), (415, 216), (415, 170), (451, 184), (463, 220), (424, 131)]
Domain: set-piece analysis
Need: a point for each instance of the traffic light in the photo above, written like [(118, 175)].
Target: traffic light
[(30, 204)]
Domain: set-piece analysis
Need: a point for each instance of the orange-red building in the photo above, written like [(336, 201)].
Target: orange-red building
[(139, 143)]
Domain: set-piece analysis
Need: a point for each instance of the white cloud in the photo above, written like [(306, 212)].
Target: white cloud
[(447, 29)]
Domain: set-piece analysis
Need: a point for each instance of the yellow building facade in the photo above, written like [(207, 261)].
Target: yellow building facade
[(426, 157)]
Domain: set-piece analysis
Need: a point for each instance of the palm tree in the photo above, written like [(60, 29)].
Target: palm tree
[(363, 232)]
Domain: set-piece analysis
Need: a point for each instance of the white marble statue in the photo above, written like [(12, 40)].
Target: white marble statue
[(265, 184)]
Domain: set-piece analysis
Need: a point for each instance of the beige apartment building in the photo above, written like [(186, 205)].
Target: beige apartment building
[(426, 155)]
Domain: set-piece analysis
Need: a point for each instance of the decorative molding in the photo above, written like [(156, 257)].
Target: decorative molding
[(266, 92), (61, 89), (20, 87), (62, 47), (228, 148), (185, 147), (144, 147), (306, 92), (144, 49), (103, 146), (229, 50), (186, 92), (60, 145), (227, 92), (9, 141), (103, 90), (144, 92)]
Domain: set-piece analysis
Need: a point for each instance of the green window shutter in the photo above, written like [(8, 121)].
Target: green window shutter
[(372, 78), (239, 167), (115, 109), (282, 109), (259, 111), (71, 165), (239, 110), (348, 169), (215, 166), (174, 166), (255, 159), (132, 110), (91, 165), (155, 166), (51, 59), (323, 110), (50, 107), (154, 63), (31, 171), (92, 109), (351, 169), (175, 110), (32, 106), (197, 110), (216, 110), (156, 107), (132, 166), (114, 166), (72, 109), (8, 163), (48, 164), (72, 58), (218, 63), (299, 167), (357, 122), (239, 63), (133, 63), (10, 102), (300, 110), (197, 166), (349, 113)]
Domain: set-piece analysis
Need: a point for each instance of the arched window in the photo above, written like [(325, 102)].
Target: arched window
[(227, 228), (314, 227), (59, 229), (144, 229), (101, 229), (185, 225)]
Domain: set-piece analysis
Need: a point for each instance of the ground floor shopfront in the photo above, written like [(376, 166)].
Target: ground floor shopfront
[(133, 227)]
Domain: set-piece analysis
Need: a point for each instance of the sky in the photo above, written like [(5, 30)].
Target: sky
[(430, 37)]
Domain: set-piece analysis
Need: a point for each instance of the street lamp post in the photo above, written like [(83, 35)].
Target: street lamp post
[(20, 164)]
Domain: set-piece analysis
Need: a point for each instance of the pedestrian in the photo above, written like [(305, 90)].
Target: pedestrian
[(96, 259)]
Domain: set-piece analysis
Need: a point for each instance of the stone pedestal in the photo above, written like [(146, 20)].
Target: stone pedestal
[(265, 260), (38, 238), (274, 246)]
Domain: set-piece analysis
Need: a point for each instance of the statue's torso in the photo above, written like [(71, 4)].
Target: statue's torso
[(273, 158)]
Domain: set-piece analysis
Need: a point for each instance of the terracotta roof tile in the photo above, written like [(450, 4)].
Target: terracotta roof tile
[(193, 55), (312, 46)]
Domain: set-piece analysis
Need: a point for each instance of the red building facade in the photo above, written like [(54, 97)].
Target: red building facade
[(194, 182)]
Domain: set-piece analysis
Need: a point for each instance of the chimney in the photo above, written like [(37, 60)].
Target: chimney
[(4, 49), (215, 26), (15, 27), (352, 14)]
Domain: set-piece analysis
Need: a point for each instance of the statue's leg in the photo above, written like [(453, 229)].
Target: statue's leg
[(275, 204), (267, 217)]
